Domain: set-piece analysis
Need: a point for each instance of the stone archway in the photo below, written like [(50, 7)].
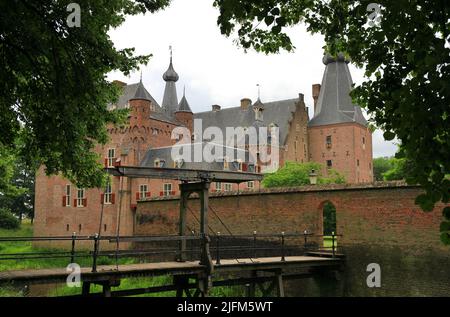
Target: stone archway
[(329, 225)]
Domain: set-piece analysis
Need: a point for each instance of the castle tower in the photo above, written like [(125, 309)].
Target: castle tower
[(184, 113), (140, 108), (338, 133), (170, 99)]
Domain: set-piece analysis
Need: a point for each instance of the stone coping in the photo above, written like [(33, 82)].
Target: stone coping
[(299, 189)]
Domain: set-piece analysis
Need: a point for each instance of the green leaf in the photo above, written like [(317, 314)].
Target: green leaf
[(446, 213), (269, 20), (445, 238), (445, 226), (425, 202), (388, 136)]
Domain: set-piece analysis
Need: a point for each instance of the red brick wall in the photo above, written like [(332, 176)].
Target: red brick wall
[(379, 222), (347, 148)]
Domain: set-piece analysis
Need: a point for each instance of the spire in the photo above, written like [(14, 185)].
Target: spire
[(334, 104), (141, 93), (184, 104), (170, 74), (170, 99)]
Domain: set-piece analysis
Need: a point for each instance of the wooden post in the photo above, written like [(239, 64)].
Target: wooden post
[(280, 286), (252, 286), (182, 229), (106, 289), (204, 200), (86, 289)]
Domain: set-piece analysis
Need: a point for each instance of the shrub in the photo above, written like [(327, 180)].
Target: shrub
[(8, 220)]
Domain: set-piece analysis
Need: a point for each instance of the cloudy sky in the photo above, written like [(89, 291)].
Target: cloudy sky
[(214, 70)]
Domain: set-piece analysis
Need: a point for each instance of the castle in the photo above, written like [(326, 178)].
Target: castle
[(337, 137)]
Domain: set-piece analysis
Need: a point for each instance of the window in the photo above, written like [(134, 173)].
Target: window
[(80, 201), (251, 184), (329, 163), (66, 198), (225, 164), (159, 163), (297, 127), (228, 187), (178, 163), (111, 157), (364, 143), (328, 141), (107, 198), (167, 189), (218, 186), (357, 162), (143, 190)]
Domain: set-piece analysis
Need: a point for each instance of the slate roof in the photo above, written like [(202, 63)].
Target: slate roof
[(165, 153), (138, 91), (170, 99), (129, 92), (184, 105), (334, 104), (276, 112)]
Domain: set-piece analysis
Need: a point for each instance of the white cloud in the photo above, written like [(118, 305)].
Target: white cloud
[(214, 70)]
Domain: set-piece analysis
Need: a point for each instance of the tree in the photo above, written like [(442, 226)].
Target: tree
[(381, 165), (397, 171), (297, 174), (390, 169), (406, 58), (329, 219), (53, 81)]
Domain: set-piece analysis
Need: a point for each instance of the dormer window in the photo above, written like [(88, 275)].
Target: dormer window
[(226, 165), (258, 113), (159, 163), (178, 163)]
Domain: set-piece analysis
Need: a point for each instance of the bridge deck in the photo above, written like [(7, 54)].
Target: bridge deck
[(108, 272)]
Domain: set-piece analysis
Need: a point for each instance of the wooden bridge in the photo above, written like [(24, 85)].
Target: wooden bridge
[(201, 261)]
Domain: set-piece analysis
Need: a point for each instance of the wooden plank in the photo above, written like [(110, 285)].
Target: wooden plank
[(105, 273), (184, 174)]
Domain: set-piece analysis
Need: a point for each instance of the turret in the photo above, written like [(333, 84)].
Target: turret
[(170, 99), (184, 113)]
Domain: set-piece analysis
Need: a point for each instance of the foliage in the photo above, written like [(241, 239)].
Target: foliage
[(397, 171), (390, 168), (297, 174), (8, 220), (329, 219), (406, 57), (380, 166), (53, 81), (19, 198)]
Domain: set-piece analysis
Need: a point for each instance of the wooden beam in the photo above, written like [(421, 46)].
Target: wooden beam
[(183, 174)]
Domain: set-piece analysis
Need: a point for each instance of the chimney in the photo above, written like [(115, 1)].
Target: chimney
[(245, 103), (119, 83), (301, 97), (215, 108), (315, 94)]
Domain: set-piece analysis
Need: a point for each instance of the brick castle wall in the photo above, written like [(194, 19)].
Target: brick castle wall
[(379, 222)]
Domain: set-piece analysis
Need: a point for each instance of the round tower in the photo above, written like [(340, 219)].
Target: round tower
[(184, 114)]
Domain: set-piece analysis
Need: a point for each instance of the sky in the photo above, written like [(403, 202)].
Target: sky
[(214, 70)]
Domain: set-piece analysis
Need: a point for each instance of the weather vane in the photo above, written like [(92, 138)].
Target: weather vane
[(259, 90)]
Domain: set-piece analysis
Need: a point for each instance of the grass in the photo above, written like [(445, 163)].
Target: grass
[(26, 230), (328, 242)]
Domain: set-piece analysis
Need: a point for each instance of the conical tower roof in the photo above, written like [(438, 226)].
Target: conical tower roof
[(184, 104), (141, 93), (335, 104)]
